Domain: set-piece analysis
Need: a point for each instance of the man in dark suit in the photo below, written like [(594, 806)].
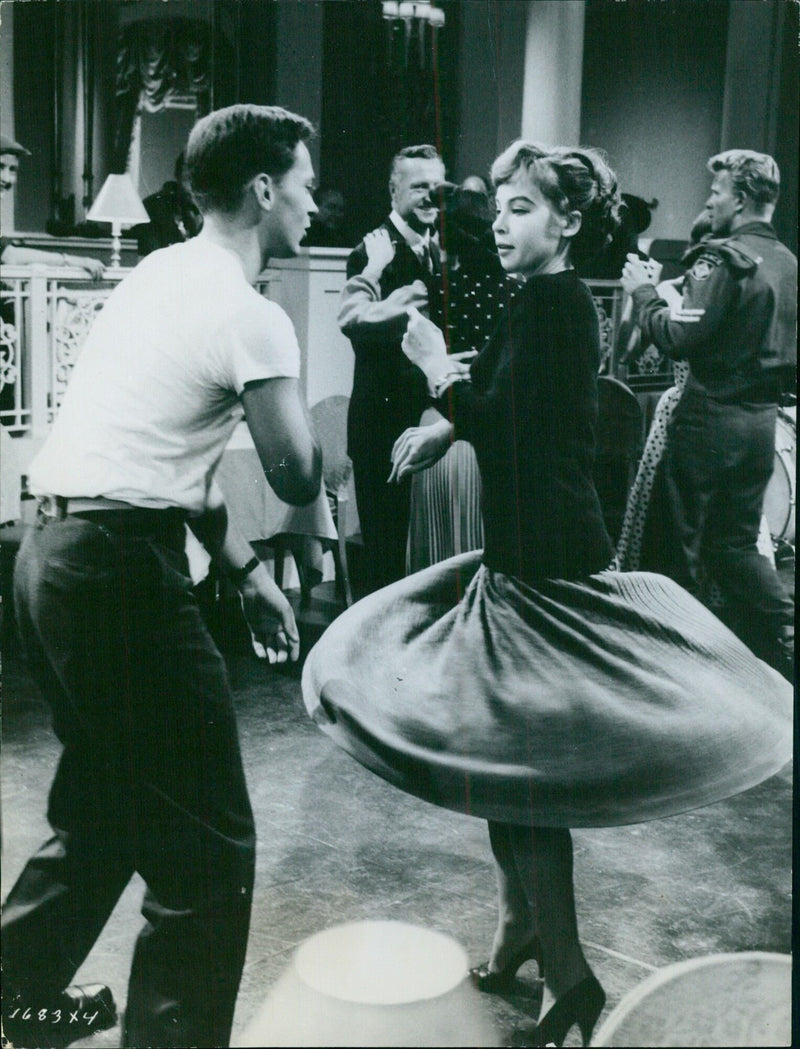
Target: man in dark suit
[(389, 393)]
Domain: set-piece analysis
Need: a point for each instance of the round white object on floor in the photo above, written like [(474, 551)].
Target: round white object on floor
[(721, 999), (376, 983)]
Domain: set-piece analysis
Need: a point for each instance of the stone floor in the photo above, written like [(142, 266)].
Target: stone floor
[(338, 844)]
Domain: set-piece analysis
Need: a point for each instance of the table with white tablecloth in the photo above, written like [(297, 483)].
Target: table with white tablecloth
[(260, 515)]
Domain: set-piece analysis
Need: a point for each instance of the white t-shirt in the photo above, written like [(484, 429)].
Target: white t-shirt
[(154, 396)]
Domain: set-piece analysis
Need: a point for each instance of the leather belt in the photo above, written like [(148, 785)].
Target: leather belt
[(59, 507)]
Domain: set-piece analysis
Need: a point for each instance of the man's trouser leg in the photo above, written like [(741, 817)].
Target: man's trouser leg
[(745, 435), (150, 778), (689, 469), (383, 513)]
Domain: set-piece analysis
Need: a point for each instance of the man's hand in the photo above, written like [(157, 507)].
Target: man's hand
[(419, 447), (270, 617), (637, 272), (412, 296)]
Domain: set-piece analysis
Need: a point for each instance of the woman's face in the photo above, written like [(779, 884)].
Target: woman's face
[(9, 165), (529, 232)]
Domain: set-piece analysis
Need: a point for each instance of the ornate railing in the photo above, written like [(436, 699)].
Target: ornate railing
[(643, 373), (45, 316)]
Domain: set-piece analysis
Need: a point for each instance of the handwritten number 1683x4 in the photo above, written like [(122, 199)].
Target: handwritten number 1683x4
[(54, 1016)]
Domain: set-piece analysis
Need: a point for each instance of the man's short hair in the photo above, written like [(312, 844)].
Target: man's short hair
[(755, 175), (229, 147), (423, 152)]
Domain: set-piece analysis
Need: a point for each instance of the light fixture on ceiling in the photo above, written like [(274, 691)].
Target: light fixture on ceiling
[(411, 10)]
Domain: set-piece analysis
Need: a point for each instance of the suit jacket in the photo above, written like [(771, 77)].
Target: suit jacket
[(389, 393)]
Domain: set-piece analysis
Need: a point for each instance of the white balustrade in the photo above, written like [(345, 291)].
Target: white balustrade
[(46, 313)]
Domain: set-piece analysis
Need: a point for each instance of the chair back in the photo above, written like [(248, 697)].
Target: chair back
[(330, 421), (620, 440)]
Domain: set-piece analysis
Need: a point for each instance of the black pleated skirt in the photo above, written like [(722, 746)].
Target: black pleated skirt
[(610, 700)]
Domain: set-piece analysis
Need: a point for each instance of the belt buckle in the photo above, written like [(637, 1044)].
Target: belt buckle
[(52, 507)]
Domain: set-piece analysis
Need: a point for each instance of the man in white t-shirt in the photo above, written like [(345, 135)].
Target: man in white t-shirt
[(150, 779)]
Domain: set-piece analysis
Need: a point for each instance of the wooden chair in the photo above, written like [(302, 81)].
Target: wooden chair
[(330, 421), (620, 441), (14, 523)]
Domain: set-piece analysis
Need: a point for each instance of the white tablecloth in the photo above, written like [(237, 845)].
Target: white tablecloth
[(254, 507), (259, 514)]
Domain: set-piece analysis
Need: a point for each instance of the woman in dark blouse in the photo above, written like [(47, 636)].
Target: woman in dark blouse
[(530, 686)]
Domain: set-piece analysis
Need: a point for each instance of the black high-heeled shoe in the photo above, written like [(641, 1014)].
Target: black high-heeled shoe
[(492, 981), (581, 1005)]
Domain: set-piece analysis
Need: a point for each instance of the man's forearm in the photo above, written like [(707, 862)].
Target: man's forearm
[(219, 535), (362, 312), (660, 324)]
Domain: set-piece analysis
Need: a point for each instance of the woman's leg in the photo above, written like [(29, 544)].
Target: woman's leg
[(543, 858), (572, 994), (516, 920)]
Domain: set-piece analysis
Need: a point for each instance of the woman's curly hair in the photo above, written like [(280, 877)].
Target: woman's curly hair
[(572, 179)]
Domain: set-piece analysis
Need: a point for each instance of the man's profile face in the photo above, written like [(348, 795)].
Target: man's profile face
[(410, 187), (292, 206), (723, 204), (9, 167)]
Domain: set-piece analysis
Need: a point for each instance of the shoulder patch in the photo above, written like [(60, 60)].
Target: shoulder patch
[(704, 266)]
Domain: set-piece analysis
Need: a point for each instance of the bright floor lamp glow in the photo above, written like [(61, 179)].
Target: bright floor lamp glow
[(118, 203), (374, 983)]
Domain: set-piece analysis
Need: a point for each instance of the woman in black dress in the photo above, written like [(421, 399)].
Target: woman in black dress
[(530, 686)]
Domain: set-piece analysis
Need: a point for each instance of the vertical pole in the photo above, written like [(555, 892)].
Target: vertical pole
[(56, 147), (39, 352), (87, 50)]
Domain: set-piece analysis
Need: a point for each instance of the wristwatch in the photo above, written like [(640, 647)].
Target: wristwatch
[(238, 575)]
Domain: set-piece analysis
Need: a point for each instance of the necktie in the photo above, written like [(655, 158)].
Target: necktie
[(429, 256)]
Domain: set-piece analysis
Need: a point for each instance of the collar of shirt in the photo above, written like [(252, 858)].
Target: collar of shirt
[(416, 241), (757, 226)]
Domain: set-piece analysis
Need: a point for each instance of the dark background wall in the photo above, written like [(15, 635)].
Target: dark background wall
[(665, 85), (382, 91), (653, 83)]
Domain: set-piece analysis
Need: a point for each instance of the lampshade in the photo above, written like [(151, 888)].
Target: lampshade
[(118, 202), (375, 983)]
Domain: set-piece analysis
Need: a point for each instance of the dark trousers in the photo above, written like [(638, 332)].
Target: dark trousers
[(383, 509), (717, 465), (150, 778)]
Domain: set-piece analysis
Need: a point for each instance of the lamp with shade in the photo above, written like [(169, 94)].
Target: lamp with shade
[(118, 203), (375, 983)]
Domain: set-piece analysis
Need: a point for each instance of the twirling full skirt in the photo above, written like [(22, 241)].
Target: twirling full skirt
[(586, 703)]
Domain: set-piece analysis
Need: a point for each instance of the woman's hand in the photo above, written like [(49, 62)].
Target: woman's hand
[(380, 252), (423, 344), (269, 617), (94, 267), (419, 447)]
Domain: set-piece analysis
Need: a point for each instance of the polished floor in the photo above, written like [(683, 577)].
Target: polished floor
[(338, 844)]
